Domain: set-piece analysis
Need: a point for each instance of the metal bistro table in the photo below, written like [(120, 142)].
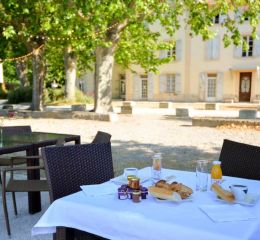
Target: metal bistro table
[(31, 143)]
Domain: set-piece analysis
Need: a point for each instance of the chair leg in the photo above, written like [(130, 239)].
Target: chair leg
[(14, 203), (6, 213)]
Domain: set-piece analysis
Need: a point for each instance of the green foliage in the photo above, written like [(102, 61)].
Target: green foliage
[(53, 94), (19, 95), (10, 75), (57, 96), (82, 98)]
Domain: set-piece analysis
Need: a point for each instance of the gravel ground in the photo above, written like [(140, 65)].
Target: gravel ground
[(134, 140)]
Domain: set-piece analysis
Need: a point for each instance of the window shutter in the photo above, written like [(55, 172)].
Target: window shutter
[(222, 18), (238, 51), (256, 47), (178, 49), (178, 84), (208, 49), (215, 47), (203, 86), (150, 86), (163, 54), (163, 83), (219, 87), (137, 87)]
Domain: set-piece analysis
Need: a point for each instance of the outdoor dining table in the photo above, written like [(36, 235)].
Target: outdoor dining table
[(31, 143), (109, 217)]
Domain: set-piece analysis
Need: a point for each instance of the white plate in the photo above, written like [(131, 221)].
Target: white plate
[(122, 180), (189, 199), (250, 200)]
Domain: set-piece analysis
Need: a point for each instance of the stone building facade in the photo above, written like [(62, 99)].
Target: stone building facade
[(202, 71)]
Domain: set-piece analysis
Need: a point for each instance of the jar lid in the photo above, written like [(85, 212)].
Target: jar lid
[(135, 179), (130, 177), (216, 162), (136, 192)]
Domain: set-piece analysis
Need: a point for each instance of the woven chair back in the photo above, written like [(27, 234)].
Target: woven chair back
[(102, 137), (240, 160), (69, 167), (16, 129)]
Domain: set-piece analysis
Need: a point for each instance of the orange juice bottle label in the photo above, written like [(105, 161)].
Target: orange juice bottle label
[(216, 173)]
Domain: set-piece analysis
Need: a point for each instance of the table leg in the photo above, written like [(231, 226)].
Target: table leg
[(34, 198), (77, 141)]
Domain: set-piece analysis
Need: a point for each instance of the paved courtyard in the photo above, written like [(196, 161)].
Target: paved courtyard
[(134, 140)]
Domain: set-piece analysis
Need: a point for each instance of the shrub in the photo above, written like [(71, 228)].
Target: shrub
[(55, 94), (21, 94), (82, 97)]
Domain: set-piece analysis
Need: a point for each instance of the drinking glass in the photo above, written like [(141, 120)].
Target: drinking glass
[(202, 175), (156, 167), (130, 171)]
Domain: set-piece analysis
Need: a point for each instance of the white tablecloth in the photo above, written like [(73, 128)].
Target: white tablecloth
[(122, 219)]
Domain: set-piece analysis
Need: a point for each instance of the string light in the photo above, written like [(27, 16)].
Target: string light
[(21, 57), (52, 39)]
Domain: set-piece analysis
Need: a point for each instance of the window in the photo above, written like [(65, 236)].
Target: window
[(213, 48), (216, 19), (212, 85), (249, 51), (171, 52), (171, 83), (144, 86), (122, 84)]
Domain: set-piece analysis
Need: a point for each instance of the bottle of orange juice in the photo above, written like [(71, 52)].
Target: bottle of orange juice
[(216, 173)]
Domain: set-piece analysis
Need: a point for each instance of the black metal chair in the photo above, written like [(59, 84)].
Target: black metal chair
[(21, 185), (9, 130), (102, 137), (69, 167), (240, 160)]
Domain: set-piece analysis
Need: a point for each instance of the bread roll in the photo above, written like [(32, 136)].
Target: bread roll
[(163, 184), (183, 190), (223, 194), (165, 194)]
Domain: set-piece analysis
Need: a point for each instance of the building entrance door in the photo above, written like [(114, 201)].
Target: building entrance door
[(144, 87), (245, 87)]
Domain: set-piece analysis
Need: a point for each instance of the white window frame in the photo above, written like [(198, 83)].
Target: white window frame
[(250, 51), (171, 52), (171, 83), (211, 78)]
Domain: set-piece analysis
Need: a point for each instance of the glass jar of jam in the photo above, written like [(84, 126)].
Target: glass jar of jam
[(135, 183), (129, 178), (136, 196)]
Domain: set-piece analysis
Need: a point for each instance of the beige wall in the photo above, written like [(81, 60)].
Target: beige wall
[(193, 63), (191, 68)]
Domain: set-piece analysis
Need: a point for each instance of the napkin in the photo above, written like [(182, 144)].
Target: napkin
[(99, 189), (227, 213)]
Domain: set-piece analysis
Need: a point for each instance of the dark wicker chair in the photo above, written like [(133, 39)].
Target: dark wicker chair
[(102, 137), (240, 160), (69, 167)]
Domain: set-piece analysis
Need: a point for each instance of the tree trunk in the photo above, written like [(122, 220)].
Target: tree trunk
[(22, 71), (70, 62), (103, 79), (38, 79)]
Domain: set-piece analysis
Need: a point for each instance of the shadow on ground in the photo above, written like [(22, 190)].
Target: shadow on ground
[(135, 154)]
